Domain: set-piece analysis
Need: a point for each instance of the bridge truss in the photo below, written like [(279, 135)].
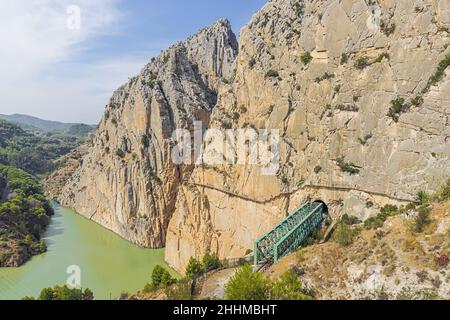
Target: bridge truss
[(289, 234)]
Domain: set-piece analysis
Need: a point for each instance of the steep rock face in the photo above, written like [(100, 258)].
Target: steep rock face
[(127, 181), (324, 73)]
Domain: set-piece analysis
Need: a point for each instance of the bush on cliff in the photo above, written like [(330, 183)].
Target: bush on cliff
[(161, 278), (194, 268), (211, 262), (63, 293), (288, 287), (248, 284)]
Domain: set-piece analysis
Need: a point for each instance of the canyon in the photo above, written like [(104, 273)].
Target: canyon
[(360, 94)]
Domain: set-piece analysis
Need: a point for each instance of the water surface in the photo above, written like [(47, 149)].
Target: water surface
[(109, 264)]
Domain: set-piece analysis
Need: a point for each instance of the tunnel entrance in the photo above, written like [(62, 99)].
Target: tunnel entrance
[(324, 206)]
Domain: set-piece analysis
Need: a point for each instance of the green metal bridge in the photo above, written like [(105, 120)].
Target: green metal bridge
[(289, 234)]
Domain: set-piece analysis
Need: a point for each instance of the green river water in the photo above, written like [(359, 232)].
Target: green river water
[(109, 264)]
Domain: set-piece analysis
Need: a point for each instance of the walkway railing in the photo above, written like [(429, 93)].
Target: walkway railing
[(289, 234)]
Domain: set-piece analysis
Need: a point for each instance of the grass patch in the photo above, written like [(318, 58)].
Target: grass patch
[(378, 221), (398, 106), (306, 58), (439, 74), (347, 167), (362, 63), (347, 107), (387, 28), (381, 57), (272, 74), (345, 233)]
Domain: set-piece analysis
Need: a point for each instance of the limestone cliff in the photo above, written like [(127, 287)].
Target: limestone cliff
[(126, 181), (356, 89), (326, 74)]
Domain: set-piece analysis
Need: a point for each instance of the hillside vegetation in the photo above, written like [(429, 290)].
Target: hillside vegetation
[(24, 215), (41, 126), (24, 211), (402, 253), (32, 153)]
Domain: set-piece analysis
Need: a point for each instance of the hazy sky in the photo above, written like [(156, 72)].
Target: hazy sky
[(60, 65)]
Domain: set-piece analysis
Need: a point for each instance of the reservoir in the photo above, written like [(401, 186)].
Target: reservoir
[(108, 264)]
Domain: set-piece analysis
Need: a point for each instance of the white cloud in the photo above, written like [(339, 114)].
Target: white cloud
[(34, 33), (40, 69)]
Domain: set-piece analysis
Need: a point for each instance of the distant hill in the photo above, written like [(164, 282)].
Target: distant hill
[(35, 124), (36, 153)]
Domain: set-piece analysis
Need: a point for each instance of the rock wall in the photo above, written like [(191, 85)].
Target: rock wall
[(126, 180), (332, 115), (325, 74)]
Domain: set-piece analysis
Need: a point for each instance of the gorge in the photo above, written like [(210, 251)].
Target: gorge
[(362, 111)]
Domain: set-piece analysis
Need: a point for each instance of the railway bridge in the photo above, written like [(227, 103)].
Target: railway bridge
[(289, 234)]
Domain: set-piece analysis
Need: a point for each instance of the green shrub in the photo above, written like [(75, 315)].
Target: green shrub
[(347, 167), (344, 234), (344, 58), (378, 221), (306, 58), (120, 153), (65, 293), (349, 108), (397, 107), (247, 284), (179, 291), (145, 141), (362, 63), (88, 294), (417, 101), (326, 76), (422, 197), (211, 262), (161, 278), (148, 288), (445, 194), (272, 74), (252, 63), (374, 222), (387, 28), (288, 287), (381, 57), (422, 219), (194, 268), (350, 220), (439, 74)]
